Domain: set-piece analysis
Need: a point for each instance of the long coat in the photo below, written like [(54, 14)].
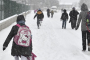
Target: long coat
[(82, 17), (73, 14), (17, 50)]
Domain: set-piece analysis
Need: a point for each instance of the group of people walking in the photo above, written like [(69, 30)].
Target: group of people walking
[(20, 32), (50, 12), (73, 18), (75, 23)]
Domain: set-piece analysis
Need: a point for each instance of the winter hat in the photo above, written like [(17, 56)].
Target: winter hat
[(20, 18), (64, 10)]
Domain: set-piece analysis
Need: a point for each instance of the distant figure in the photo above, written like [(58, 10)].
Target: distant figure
[(35, 11), (64, 18), (39, 16), (48, 12), (84, 30), (52, 12), (73, 17)]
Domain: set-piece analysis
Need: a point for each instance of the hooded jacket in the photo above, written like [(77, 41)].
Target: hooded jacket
[(17, 50), (82, 17), (64, 15), (39, 14)]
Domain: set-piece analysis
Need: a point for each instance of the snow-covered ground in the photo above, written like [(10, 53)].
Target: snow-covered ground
[(50, 42)]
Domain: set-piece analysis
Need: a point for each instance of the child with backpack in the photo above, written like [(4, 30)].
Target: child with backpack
[(22, 40), (40, 17), (64, 18)]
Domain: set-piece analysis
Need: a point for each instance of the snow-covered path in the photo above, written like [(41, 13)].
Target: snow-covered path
[(50, 42)]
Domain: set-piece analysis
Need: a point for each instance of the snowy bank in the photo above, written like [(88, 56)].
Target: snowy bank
[(8, 21)]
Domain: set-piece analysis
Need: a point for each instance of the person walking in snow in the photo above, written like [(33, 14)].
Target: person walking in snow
[(17, 50), (64, 18), (52, 12), (73, 17), (39, 16), (85, 32), (48, 12)]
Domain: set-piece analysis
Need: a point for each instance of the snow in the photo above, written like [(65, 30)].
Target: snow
[(8, 18), (50, 42)]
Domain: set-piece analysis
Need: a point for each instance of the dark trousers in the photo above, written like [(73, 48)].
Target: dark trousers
[(38, 22), (64, 24), (51, 15), (48, 14), (85, 36), (73, 23)]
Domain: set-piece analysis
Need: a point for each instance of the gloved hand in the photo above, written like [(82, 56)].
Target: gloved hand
[(4, 48), (76, 27)]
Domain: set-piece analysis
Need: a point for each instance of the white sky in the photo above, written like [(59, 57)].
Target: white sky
[(68, 1)]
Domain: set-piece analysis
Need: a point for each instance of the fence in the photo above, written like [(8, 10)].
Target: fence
[(12, 7)]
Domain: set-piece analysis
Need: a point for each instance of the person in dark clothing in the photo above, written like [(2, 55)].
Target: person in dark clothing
[(73, 17), (39, 16), (52, 13), (48, 12), (84, 30), (64, 18), (17, 50)]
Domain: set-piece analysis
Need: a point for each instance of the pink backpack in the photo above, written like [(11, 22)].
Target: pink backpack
[(23, 36)]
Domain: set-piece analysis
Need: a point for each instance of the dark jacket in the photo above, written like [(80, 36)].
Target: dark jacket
[(73, 14), (82, 17), (39, 14), (16, 49), (64, 16), (48, 11)]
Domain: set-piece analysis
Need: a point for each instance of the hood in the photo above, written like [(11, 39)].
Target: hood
[(39, 12), (20, 18), (84, 7), (64, 10)]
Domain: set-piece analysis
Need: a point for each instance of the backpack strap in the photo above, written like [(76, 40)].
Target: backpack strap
[(18, 25)]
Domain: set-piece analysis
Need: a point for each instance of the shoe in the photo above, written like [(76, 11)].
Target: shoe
[(84, 50), (88, 48), (38, 28)]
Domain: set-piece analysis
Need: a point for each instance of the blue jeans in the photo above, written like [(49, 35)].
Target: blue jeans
[(64, 24)]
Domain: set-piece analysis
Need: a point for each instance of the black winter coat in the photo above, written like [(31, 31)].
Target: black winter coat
[(73, 14), (48, 11), (16, 49), (64, 16), (39, 15)]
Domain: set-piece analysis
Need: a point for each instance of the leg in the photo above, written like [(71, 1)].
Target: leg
[(65, 24), (88, 40), (88, 37), (74, 23), (71, 24), (84, 40), (23, 58), (16, 57), (38, 23), (62, 24)]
